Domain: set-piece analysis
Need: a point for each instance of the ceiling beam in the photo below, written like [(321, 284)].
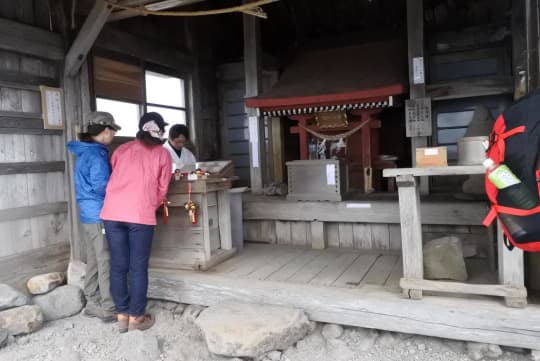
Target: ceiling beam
[(87, 35), (150, 5)]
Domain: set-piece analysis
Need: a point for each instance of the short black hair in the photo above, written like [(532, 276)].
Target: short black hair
[(93, 130), (178, 130)]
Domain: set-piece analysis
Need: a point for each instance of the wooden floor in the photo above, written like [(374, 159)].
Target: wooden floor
[(350, 287)]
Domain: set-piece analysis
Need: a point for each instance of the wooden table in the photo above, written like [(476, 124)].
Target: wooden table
[(511, 270)]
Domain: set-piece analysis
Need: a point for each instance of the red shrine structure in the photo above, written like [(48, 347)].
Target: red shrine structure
[(341, 93)]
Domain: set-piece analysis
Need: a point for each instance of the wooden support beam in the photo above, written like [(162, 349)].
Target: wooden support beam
[(470, 88), (417, 72), (317, 235), (519, 49), (32, 167), (12, 214), (89, 32), (150, 5), (30, 40), (252, 69), (466, 288), (511, 270)]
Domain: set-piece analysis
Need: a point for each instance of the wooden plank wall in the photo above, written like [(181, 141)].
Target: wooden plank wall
[(380, 236), (33, 207)]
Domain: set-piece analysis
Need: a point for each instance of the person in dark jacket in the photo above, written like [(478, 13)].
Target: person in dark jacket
[(92, 172)]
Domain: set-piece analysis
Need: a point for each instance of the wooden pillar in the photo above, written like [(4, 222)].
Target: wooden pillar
[(411, 232), (417, 89), (252, 69), (276, 140), (511, 269), (531, 37), (519, 49)]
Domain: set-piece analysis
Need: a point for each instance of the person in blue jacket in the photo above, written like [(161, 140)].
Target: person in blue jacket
[(92, 172)]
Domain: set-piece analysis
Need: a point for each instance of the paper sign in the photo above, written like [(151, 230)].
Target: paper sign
[(431, 151), (418, 70), (52, 107), (358, 205), (331, 174)]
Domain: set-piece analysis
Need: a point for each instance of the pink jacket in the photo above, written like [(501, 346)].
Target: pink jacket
[(138, 184)]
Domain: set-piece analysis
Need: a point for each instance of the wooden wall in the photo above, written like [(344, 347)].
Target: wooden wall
[(33, 208)]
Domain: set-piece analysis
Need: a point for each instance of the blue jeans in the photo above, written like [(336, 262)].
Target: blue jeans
[(129, 246)]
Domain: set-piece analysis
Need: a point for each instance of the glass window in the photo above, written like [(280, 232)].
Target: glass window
[(125, 115), (164, 90)]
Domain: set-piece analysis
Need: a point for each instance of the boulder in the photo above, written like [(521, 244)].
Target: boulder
[(76, 274), (21, 320), (237, 329), (10, 297), (44, 283), (479, 351), (60, 303), (443, 259), (332, 331)]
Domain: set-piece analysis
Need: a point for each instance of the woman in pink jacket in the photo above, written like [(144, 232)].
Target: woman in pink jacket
[(141, 172)]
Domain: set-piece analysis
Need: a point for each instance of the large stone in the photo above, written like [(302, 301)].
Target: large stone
[(237, 329), (61, 302), (4, 334), (479, 351), (76, 274), (10, 297), (21, 320), (443, 259), (138, 346), (44, 283), (332, 331)]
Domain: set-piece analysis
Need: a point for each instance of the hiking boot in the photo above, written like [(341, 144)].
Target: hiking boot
[(92, 310), (142, 323)]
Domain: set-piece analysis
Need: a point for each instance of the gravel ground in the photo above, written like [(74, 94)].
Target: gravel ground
[(176, 338)]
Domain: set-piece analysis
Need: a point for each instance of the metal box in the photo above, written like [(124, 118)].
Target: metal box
[(316, 180)]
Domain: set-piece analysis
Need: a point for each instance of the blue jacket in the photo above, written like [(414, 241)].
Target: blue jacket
[(92, 172)]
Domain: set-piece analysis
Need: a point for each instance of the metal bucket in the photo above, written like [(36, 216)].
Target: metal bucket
[(471, 151)]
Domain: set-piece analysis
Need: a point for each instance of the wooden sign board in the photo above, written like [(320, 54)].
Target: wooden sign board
[(52, 107), (418, 117)]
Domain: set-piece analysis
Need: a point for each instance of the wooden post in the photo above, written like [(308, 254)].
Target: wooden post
[(511, 269), (411, 232), (276, 136), (519, 49), (318, 235), (86, 37), (252, 69), (224, 211), (417, 89)]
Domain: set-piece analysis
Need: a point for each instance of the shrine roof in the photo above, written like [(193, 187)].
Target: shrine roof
[(338, 76)]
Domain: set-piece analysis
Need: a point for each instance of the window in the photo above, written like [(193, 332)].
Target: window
[(122, 90), (166, 95)]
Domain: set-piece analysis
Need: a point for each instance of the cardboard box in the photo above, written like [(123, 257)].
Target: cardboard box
[(431, 157)]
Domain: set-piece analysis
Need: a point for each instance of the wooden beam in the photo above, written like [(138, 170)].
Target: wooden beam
[(125, 43), (253, 79), (450, 212), (417, 70), (30, 40), (511, 270), (470, 88), (466, 288), (435, 171), (153, 6), (12, 214), (519, 49), (24, 123), (479, 320), (32, 167), (17, 269), (89, 32)]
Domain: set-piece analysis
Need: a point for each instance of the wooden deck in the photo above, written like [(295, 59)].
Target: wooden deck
[(351, 287)]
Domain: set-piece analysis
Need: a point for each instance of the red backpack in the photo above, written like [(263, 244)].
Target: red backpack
[(515, 141)]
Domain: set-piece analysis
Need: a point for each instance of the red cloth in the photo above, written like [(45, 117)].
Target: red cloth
[(138, 184)]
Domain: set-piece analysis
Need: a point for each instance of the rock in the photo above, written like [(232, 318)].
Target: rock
[(331, 331), (237, 329), (387, 340), (138, 346), (456, 346), (76, 274), (191, 312), (274, 355), (21, 320), (60, 303), (38, 285), (535, 355), (478, 351), (10, 297), (4, 335), (443, 259)]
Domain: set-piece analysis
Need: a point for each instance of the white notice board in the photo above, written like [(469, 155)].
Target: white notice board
[(52, 107)]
